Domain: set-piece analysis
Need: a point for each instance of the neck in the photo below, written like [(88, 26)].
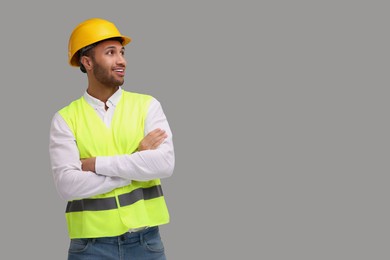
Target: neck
[(101, 93)]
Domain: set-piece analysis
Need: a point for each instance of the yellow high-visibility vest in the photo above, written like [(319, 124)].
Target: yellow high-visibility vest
[(137, 205)]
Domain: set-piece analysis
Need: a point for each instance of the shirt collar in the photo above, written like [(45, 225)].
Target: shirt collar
[(96, 103)]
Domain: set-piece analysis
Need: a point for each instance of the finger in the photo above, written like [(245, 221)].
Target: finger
[(153, 137), (159, 141), (156, 132)]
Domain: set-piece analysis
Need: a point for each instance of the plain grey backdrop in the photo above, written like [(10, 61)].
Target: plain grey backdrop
[(279, 111)]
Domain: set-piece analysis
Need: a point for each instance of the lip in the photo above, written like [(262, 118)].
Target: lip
[(120, 71)]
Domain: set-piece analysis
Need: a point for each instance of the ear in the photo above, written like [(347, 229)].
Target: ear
[(87, 62)]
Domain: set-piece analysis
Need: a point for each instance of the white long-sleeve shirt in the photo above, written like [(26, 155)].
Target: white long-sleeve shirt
[(111, 171)]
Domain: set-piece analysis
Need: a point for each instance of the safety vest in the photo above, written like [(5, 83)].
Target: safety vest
[(137, 205)]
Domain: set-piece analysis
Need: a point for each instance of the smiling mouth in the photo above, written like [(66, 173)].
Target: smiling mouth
[(120, 72)]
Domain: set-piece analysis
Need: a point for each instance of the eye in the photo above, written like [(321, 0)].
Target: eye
[(110, 52)]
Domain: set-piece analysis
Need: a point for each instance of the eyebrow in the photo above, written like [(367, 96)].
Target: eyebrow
[(113, 47)]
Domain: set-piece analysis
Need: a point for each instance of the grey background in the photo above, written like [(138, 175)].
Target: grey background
[(279, 111)]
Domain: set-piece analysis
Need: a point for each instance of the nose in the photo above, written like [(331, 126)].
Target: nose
[(121, 60)]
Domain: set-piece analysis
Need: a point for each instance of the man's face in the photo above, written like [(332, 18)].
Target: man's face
[(109, 63)]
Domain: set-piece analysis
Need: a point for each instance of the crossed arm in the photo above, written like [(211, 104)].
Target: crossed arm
[(150, 142), (77, 178)]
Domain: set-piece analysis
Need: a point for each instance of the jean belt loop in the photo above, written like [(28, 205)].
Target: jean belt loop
[(141, 237)]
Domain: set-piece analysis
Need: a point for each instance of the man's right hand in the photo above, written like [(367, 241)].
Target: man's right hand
[(152, 140)]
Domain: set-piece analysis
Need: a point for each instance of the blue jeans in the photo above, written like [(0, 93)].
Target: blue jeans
[(145, 244)]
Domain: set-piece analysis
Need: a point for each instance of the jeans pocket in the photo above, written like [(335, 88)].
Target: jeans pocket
[(153, 243), (78, 245)]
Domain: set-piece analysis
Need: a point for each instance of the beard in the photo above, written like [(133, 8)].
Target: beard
[(102, 75)]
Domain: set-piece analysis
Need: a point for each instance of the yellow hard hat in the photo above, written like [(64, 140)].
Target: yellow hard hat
[(91, 31)]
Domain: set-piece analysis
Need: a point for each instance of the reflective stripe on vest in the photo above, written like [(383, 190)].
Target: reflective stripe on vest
[(110, 203)]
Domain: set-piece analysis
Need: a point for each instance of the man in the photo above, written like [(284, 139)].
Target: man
[(108, 150)]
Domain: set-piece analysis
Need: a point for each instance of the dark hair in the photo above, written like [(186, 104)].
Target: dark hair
[(87, 50)]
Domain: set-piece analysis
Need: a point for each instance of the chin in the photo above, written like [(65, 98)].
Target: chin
[(120, 83)]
